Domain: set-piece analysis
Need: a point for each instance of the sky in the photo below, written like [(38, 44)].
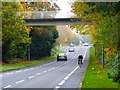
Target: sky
[(65, 8)]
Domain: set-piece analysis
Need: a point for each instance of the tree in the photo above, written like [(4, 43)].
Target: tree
[(39, 6), (14, 34), (42, 39), (104, 30)]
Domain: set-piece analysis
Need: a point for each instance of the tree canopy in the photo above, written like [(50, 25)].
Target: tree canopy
[(14, 34), (43, 38), (18, 41), (104, 31)]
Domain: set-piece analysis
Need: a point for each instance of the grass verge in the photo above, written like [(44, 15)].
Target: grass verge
[(95, 76), (9, 67)]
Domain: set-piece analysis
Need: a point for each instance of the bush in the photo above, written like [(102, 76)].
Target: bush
[(14, 60), (114, 72)]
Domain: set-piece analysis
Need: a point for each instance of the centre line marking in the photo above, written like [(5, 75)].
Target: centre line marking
[(31, 77), (62, 82), (45, 71), (38, 73), (66, 77), (8, 86), (69, 74), (20, 81), (56, 88)]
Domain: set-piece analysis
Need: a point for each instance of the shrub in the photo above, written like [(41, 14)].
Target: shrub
[(14, 60)]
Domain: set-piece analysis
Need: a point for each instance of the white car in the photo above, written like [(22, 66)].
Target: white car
[(71, 49), (85, 44)]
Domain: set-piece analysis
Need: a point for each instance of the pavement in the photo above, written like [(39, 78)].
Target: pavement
[(54, 74)]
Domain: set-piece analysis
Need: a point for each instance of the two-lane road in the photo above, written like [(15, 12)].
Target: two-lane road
[(55, 74)]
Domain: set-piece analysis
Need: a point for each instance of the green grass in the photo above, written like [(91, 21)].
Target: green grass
[(25, 64), (8, 67), (95, 76)]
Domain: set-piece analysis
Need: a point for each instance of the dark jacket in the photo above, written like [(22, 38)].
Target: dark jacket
[(80, 57)]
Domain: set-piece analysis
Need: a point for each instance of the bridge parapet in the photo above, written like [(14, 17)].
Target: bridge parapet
[(40, 14)]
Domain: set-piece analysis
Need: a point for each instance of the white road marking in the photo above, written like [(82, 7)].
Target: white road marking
[(69, 74), (19, 81), (85, 54), (19, 71), (25, 69), (62, 82), (54, 68), (31, 77), (8, 86), (10, 73), (49, 70), (72, 72), (66, 77), (56, 87), (38, 73), (45, 71), (31, 68)]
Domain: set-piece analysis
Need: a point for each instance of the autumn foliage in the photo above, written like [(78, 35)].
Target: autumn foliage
[(22, 43), (104, 31)]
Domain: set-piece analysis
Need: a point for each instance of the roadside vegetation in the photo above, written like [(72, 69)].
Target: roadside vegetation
[(104, 32), (42, 40), (24, 46), (96, 76), (25, 64), (24, 43)]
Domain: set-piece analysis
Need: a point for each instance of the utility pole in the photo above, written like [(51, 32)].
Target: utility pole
[(102, 56)]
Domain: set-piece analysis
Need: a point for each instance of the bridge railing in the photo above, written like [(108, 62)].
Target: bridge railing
[(39, 14)]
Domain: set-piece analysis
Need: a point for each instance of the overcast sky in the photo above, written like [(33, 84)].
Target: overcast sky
[(65, 8)]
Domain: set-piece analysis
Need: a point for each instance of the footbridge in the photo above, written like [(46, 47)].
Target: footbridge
[(56, 21), (48, 18)]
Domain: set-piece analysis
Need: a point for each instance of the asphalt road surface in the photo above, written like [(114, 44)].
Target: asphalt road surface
[(54, 74)]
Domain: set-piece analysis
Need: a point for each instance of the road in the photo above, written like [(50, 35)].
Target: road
[(54, 74)]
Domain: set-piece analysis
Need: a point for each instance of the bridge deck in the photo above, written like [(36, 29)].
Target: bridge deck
[(56, 21)]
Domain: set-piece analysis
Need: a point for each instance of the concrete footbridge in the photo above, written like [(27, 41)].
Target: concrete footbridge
[(56, 21), (48, 18)]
